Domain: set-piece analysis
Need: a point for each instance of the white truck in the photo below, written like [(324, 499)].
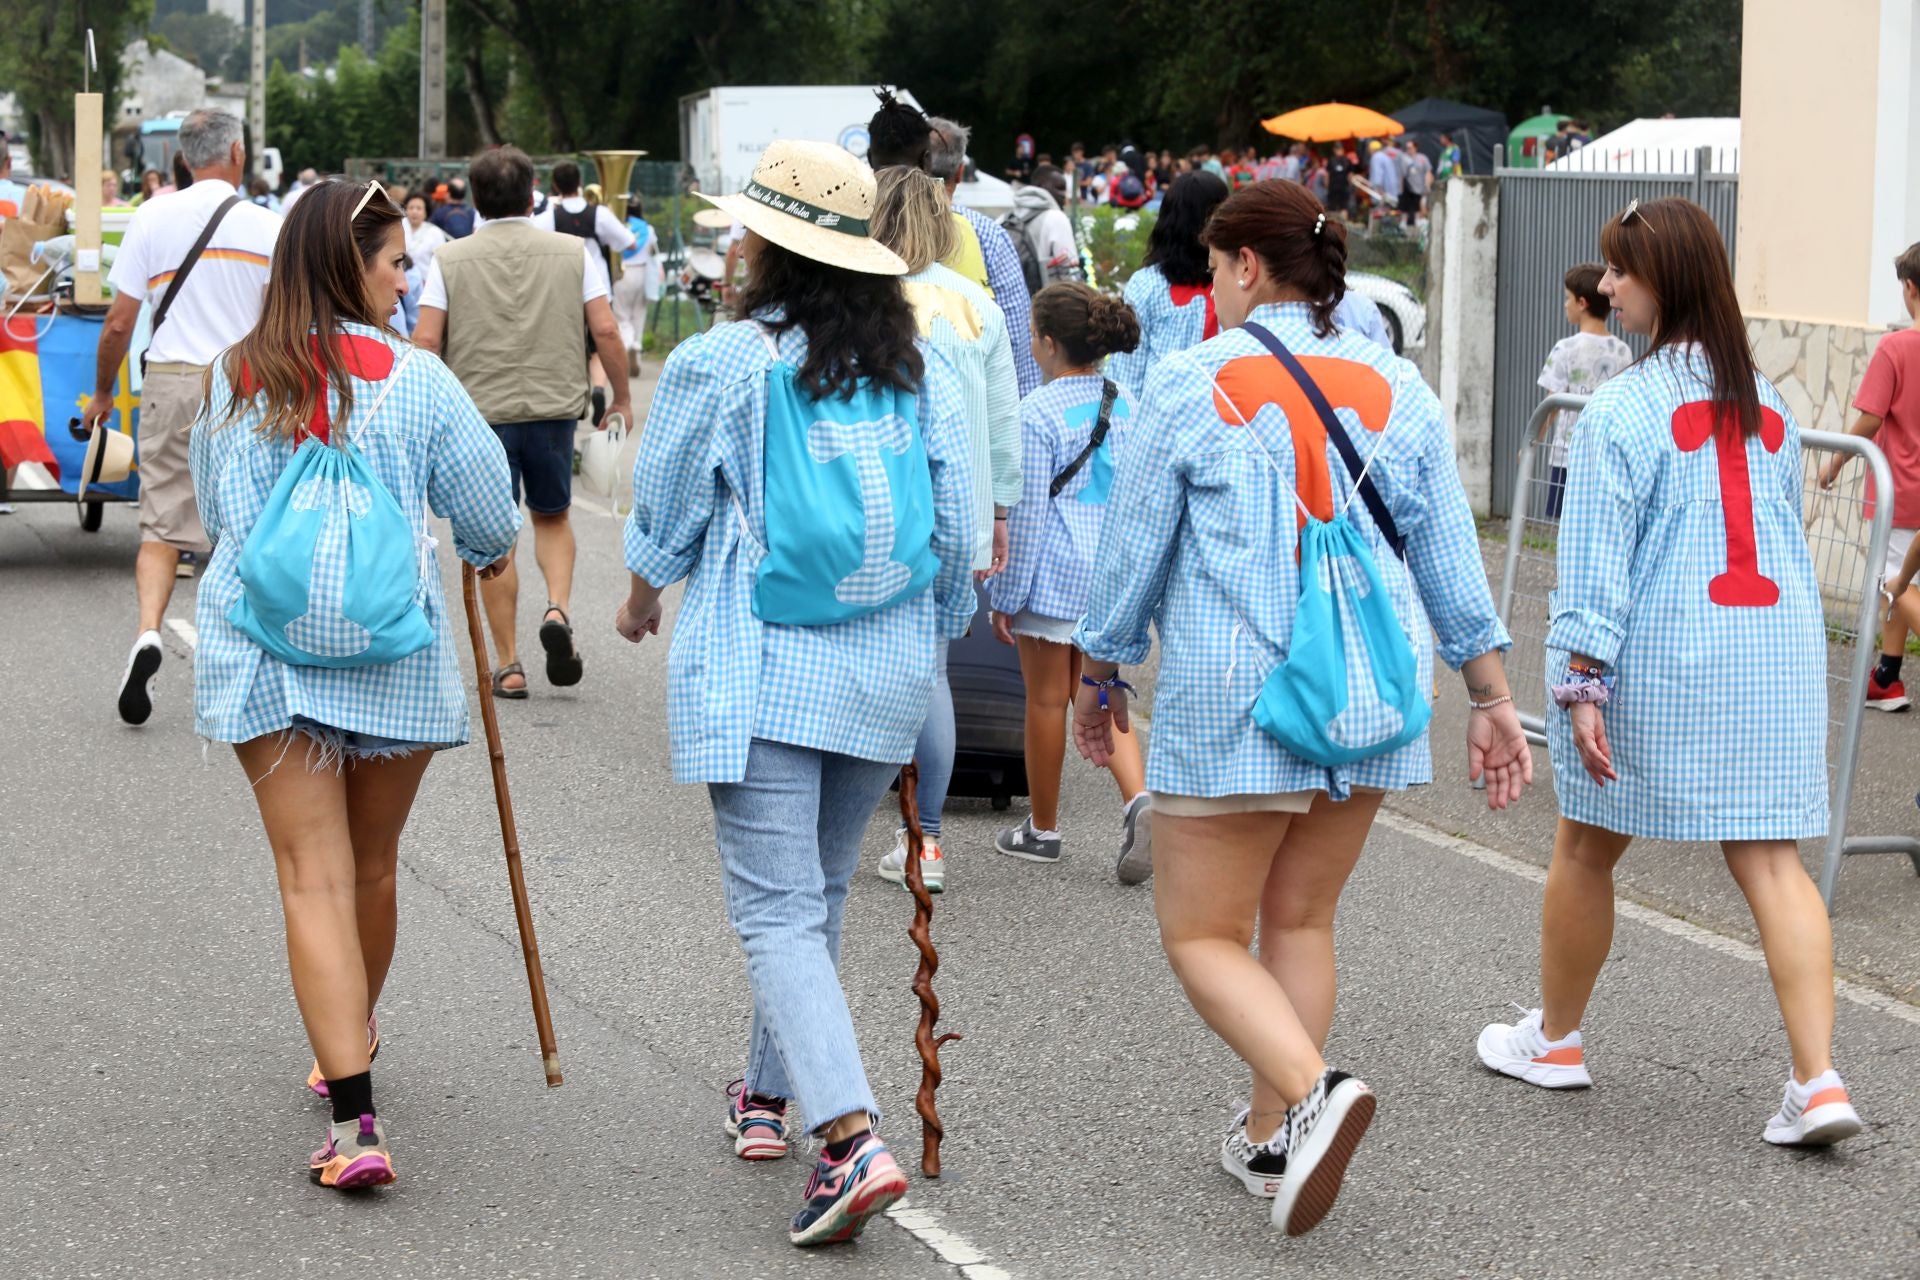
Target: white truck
[(723, 131)]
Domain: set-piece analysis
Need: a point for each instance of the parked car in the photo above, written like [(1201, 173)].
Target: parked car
[(1400, 307)]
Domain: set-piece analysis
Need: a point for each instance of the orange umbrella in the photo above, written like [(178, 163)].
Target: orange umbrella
[(1331, 122)]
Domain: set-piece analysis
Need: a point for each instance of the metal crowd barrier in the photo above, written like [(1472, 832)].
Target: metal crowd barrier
[(1849, 568)]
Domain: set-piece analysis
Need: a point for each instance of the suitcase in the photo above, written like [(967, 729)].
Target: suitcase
[(989, 713)]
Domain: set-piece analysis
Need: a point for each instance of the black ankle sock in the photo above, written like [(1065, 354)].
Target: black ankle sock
[(838, 1151), (352, 1097), (1889, 669)]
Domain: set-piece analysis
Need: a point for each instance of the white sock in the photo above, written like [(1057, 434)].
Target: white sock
[(147, 638), (1043, 835)]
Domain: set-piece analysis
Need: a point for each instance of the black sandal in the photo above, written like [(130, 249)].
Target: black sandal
[(564, 664), (500, 690)]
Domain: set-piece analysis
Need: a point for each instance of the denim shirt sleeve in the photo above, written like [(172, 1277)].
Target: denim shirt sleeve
[(1003, 410), (1138, 537), (1443, 547), (943, 427), (675, 472), (470, 484), (1599, 534), (1027, 522)]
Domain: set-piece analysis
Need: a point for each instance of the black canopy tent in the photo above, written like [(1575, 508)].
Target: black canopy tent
[(1476, 130)]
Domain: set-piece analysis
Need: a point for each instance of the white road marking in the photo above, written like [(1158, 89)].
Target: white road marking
[(185, 630), (1865, 996), (924, 1225)]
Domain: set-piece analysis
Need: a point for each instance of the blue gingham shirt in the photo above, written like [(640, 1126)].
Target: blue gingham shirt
[(1201, 540), (429, 447), (1165, 329), (858, 688), (1052, 541), (1009, 286), (1643, 535)]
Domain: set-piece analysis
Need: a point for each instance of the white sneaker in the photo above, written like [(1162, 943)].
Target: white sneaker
[(136, 683), (933, 864), (1814, 1114), (1320, 1134), (1522, 1050), (1258, 1165)]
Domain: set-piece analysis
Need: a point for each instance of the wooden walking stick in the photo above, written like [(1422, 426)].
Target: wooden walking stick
[(509, 834), (931, 1130)]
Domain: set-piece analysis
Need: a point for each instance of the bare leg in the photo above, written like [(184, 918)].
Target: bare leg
[(1798, 940), (553, 548), (305, 812), (1296, 923), (153, 578), (501, 596), (1048, 671), (1208, 877), (379, 797), (1905, 618), (1576, 922)]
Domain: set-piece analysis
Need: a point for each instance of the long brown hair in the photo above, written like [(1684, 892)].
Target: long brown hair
[(1673, 248), (319, 280), (1289, 228)]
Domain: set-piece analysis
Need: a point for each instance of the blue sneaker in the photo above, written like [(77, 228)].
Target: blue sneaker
[(843, 1194)]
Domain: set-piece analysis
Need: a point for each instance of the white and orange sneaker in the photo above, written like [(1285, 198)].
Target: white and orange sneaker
[(933, 864), (1815, 1114), (1522, 1050)]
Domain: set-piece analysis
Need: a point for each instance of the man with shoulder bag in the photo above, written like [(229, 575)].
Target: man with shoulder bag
[(201, 256)]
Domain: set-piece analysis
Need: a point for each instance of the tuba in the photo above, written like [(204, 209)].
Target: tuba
[(615, 172)]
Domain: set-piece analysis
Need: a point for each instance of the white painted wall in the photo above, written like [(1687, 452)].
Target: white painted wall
[(1462, 265)]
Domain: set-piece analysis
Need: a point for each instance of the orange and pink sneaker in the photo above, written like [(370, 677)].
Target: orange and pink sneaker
[(1521, 1050), (318, 1082), (1815, 1114), (355, 1156), (756, 1123)]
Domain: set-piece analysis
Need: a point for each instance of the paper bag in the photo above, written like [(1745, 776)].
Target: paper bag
[(17, 238)]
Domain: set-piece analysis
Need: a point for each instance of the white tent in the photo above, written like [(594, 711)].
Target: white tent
[(1659, 146)]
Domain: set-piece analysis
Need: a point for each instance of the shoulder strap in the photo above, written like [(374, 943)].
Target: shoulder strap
[(766, 336), (1363, 483), (186, 267), (392, 381), (1108, 393)]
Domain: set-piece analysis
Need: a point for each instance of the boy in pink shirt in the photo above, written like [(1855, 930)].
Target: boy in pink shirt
[(1889, 405)]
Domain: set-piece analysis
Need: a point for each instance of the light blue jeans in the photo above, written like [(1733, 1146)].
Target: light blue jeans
[(789, 836), (934, 753)]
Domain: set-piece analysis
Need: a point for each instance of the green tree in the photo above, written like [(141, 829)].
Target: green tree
[(43, 61)]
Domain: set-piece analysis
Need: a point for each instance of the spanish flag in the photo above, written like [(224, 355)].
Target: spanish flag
[(46, 379)]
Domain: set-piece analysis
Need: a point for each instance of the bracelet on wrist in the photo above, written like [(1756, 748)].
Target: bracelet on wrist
[(1111, 682), (1583, 684), (1490, 703)]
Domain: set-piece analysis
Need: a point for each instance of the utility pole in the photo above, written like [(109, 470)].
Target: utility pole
[(257, 85), (433, 79), (366, 28)]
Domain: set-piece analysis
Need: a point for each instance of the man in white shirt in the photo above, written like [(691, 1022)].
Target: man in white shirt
[(569, 212), (217, 305)]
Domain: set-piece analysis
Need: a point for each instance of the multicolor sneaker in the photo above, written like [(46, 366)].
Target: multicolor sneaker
[(756, 1123), (355, 1156), (1891, 696), (1321, 1134), (1258, 1165), (1021, 842), (1135, 864), (1522, 1050), (843, 1194), (1815, 1114), (933, 864), (318, 1082)]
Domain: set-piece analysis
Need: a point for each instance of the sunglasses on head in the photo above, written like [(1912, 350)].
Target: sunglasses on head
[(1632, 211)]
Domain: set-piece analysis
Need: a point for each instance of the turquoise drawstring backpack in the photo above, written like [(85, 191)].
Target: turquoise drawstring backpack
[(849, 503), (331, 572), (1349, 688)]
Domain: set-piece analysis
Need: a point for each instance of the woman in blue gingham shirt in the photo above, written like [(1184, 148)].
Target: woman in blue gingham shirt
[(797, 730), (1172, 292), (1685, 572), (335, 756), (1201, 540)]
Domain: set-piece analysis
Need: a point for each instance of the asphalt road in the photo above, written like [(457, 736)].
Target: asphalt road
[(152, 1120)]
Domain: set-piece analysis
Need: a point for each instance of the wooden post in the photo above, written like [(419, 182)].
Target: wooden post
[(87, 164)]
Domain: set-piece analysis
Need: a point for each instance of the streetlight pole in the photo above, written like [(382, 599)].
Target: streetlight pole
[(257, 86), (433, 79)]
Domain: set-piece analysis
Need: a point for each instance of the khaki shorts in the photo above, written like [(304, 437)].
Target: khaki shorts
[(169, 402), (1172, 806)]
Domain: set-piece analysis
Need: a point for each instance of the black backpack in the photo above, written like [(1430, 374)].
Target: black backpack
[(1035, 271)]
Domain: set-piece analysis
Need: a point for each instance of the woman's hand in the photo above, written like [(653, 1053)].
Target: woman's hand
[(636, 619), (1590, 739), (1497, 750), (999, 561), (1003, 627), (1093, 725)]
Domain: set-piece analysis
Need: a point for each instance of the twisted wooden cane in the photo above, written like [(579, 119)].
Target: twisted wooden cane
[(931, 1130)]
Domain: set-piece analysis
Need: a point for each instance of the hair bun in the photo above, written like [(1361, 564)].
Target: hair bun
[(1112, 325)]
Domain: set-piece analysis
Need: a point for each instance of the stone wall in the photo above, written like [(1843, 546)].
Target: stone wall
[(1817, 367), (1462, 261)]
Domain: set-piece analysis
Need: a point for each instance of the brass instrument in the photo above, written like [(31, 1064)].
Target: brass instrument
[(615, 172)]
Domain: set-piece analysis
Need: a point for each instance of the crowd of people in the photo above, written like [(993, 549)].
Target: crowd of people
[(905, 409)]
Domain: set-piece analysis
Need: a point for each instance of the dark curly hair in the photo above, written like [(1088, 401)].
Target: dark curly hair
[(897, 134), (1174, 246), (858, 326)]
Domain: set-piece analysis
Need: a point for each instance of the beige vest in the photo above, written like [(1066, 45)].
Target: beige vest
[(514, 322)]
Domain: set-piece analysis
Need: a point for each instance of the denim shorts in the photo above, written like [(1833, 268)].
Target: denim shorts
[(338, 746), (1038, 626), (540, 454)]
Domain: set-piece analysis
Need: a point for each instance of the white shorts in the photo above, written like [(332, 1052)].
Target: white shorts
[(1897, 546), (1038, 626)]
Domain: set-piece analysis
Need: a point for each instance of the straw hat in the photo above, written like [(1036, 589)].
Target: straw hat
[(713, 219), (109, 459), (814, 199)]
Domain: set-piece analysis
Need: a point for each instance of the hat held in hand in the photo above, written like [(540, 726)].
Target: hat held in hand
[(814, 199), (109, 458)]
